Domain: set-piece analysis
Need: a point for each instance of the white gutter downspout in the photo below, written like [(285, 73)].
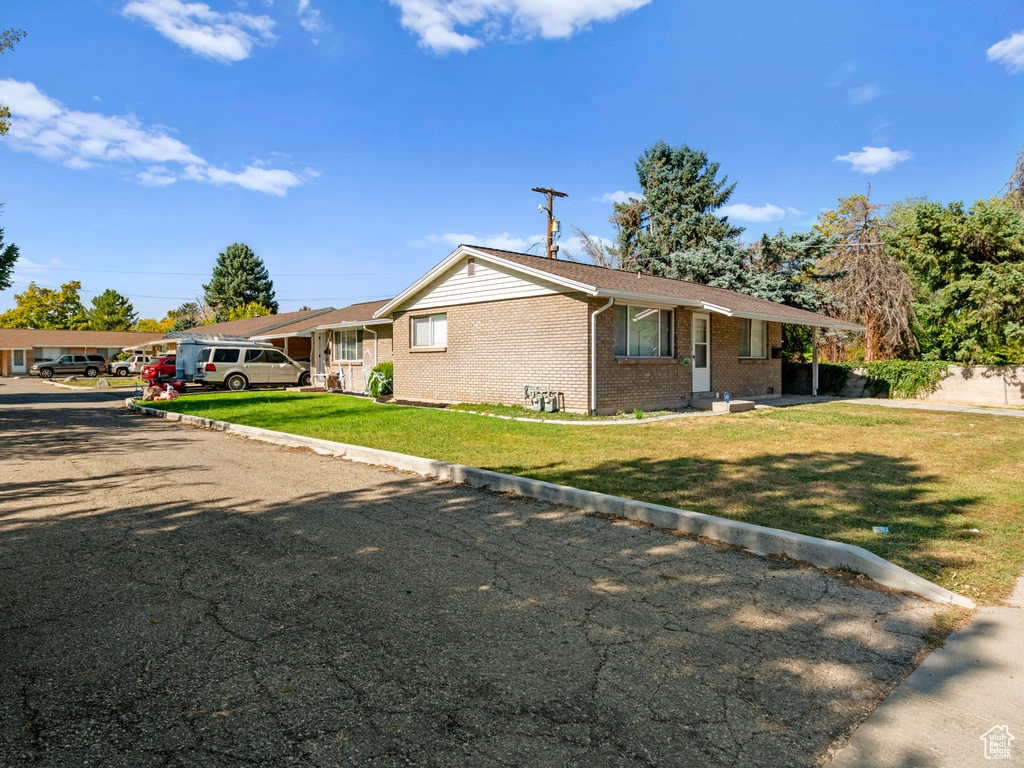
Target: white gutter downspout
[(366, 373), (593, 355), (375, 360)]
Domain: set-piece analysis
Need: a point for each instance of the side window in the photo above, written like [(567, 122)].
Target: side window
[(225, 355), (273, 356), (430, 331), (752, 335), (65, 360), (81, 359), (254, 356), (643, 332)]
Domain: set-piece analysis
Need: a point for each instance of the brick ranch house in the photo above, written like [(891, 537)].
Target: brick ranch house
[(344, 345), (293, 345), (485, 323), (21, 347)]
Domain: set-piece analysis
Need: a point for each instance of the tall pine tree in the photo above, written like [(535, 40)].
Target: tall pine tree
[(681, 192), (239, 277), (111, 311)]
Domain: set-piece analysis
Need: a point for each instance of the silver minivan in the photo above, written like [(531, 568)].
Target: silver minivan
[(241, 367)]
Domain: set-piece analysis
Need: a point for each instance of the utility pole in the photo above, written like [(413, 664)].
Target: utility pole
[(552, 248)]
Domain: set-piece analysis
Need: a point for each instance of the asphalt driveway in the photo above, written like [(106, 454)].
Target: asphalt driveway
[(179, 597)]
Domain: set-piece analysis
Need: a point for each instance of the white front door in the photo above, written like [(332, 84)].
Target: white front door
[(18, 361), (700, 362)]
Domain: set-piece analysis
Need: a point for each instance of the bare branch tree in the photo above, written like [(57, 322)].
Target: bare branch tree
[(1013, 190), (873, 289)]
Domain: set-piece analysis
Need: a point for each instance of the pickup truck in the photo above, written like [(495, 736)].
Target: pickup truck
[(163, 369), (133, 364)]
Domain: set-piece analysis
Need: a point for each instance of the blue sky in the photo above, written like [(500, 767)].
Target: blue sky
[(353, 144)]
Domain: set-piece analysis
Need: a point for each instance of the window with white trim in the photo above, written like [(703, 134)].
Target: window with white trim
[(643, 331), (348, 345), (430, 331), (753, 338)]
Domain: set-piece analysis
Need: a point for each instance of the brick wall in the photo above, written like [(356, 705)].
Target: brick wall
[(624, 384), (355, 367), (495, 349), (742, 378)]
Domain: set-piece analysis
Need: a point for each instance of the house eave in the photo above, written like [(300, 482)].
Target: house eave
[(465, 250)]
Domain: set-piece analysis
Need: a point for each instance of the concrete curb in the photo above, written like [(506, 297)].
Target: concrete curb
[(112, 387), (754, 538)]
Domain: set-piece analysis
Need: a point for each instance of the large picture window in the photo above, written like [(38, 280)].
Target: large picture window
[(430, 331), (348, 345), (643, 332), (753, 338)]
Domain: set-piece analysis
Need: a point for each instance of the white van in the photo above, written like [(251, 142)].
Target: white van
[(241, 366)]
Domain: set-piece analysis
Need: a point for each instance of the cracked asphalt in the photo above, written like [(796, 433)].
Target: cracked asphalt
[(178, 597)]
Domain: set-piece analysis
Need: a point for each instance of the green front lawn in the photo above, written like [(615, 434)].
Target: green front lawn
[(830, 470)]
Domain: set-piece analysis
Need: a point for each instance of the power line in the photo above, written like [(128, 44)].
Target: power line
[(192, 298), (206, 274)]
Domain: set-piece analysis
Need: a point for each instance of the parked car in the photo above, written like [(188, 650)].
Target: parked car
[(89, 365), (133, 364), (237, 368), (162, 370)]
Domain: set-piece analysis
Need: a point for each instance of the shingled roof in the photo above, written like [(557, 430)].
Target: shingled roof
[(603, 281), (252, 326), (352, 314), (25, 338)]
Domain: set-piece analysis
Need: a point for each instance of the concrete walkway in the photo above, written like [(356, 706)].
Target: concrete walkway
[(938, 715), (918, 405)]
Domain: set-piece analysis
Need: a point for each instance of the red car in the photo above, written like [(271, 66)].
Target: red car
[(163, 369)]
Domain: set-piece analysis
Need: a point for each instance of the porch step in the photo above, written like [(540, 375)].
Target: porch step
[(710, 404)]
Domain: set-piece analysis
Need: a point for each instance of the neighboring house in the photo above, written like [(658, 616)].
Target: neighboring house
[(240, 330), (20, 348), (345, 344), (485, 323)]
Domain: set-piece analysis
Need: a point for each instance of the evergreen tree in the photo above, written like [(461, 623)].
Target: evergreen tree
[(239, 277), (969, 269), (111, 311), (681, 194), (188, 315), (8, 255), (781, 268)]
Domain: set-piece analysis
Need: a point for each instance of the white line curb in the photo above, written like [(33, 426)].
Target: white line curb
[(754, 538)]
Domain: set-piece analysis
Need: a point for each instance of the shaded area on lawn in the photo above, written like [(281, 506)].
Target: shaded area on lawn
[(831, 470), (402, 621)]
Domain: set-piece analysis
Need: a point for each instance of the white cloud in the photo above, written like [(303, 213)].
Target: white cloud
[(45, 127), (225, 37), (436, 22), (875, 159), (267, 180), (1009, 52), (504, 241), (27, 265), (156, 176), (618, 197), (758, 215), (310, 17), (865, 93)]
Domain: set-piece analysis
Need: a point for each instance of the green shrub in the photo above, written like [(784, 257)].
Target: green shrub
[(382, 379), (905, 378)]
